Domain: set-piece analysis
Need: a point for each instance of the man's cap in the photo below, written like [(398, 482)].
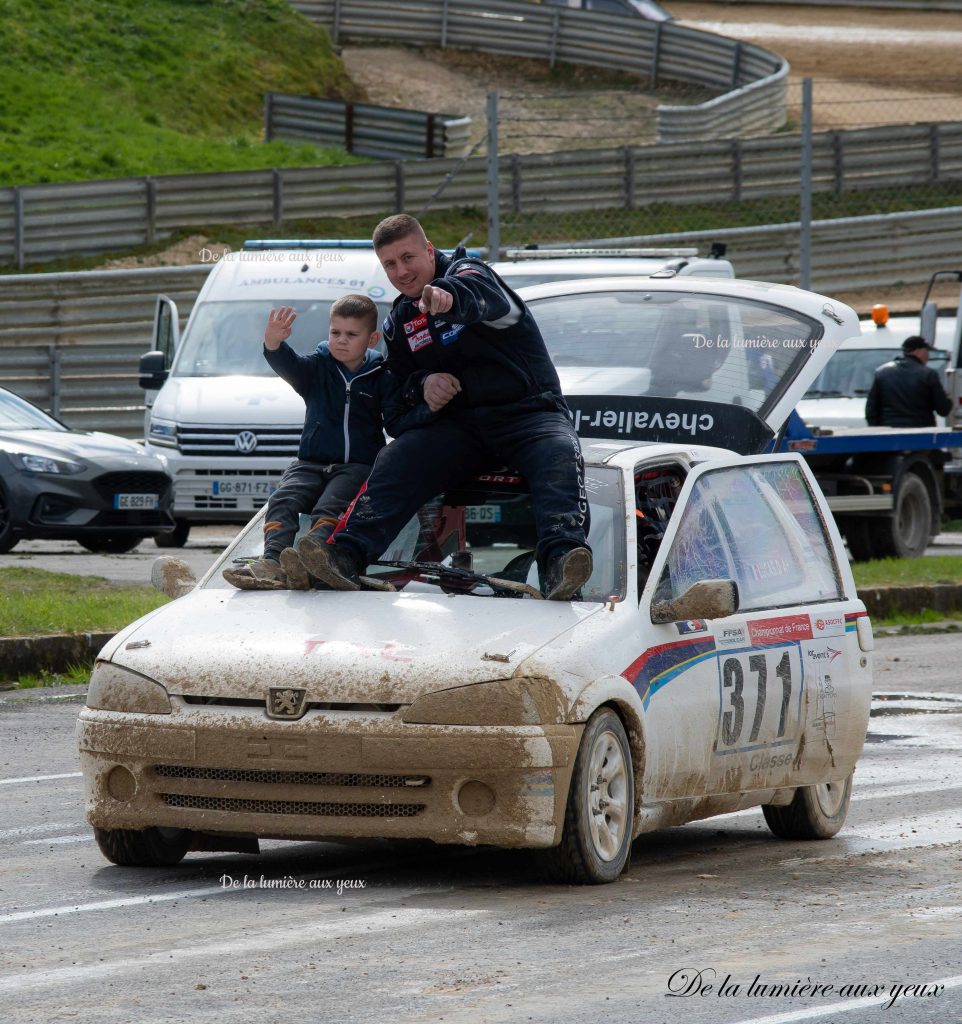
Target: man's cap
[(914, 343)]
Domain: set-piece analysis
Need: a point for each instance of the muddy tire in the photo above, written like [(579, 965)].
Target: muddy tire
[(816, 812), (907, 533), (177, 538), (599, 817), (144, 848)]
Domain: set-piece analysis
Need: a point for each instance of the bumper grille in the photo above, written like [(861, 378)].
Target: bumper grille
[(168, 771), (132, 483), (221, 440), (305, 807)]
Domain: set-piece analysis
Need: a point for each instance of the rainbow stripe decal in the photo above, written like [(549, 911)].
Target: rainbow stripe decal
[(659, 665)]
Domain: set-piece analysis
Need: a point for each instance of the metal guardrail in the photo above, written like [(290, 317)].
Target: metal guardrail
[(386, 133), (44, 222), (71, 342), (656, 50)]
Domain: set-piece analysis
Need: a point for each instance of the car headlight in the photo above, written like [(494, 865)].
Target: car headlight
[(162, 432), (118, 689), (504, 702), (44, 464)]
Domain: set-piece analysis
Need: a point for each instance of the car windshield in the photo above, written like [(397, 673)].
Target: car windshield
[(849, 372), (704, 347), (487, 526), (226, 338), (16, 414)]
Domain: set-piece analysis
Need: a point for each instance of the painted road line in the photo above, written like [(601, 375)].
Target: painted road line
[(242, 943), (813, 1013), (32, 830), (130, 901), (59, 840), (39, 778)]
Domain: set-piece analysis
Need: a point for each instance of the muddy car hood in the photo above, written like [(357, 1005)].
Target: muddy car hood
[(342, 647)]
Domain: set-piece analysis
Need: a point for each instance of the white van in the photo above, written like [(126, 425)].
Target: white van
[(226, 423)]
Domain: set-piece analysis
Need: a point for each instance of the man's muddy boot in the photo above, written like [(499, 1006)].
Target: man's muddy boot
[(567, 573), (261, 574), (298, 578), (336, 566)]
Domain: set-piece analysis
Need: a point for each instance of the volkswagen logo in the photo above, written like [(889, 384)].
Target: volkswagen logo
[(246, 441), (285, 702)]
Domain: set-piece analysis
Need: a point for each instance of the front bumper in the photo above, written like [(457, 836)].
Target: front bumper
[(330, 775)]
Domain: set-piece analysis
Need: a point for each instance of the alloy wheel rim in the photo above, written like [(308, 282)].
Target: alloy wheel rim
[(607, 796)]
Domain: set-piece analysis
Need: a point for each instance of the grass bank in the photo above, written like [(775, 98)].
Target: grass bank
[(117, 88), (887, 572), (35, 602)]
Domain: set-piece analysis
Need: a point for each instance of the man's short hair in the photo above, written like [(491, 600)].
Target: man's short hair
[(396, 227), (914, 343), (357, 307)]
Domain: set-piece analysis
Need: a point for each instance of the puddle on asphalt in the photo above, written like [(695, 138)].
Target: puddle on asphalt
[(916, 704)]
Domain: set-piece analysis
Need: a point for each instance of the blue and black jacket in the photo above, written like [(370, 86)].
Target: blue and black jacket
[(346, 414), (488, 340)]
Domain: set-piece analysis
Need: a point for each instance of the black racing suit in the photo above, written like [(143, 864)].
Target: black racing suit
[(904, 393), (510, 410)]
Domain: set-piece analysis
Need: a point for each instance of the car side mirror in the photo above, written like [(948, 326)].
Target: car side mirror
[(172, 577), (706, 599), (153, 370)]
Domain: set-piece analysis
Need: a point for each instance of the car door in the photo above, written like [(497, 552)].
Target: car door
[(776, 694)]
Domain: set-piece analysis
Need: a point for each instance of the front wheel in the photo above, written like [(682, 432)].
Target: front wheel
[(153, 847), (907, 533), (816, 812), (600, 813), (109, 544)]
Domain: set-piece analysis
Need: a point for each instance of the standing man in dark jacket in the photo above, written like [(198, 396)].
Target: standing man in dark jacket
[(907, 392), (467, 345)]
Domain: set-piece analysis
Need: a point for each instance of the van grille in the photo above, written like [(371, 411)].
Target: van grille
[(170, 771), (305, 807), (221, 440)]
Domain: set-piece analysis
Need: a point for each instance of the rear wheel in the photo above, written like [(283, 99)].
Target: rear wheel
[(599, 818), (816, 812), (907, 533), (109, 544), (177, 538), (153, 847), (7, 539)]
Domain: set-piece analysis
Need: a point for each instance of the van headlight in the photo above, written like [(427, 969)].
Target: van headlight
[(113, 688), (504, 702), (162, 432)]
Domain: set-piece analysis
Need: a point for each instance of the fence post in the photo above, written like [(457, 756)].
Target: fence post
[(336, 31), (444, 24), (150, 202), (349, 127), (838, 159), (399, 186), (655, 55), (736, 170), (54, 355), (805, 198), (555, 23), (516, 183), (494, 198), (935, 152), (629, 178), (268, 116), (277, 189), (18, 227), (736, 65), (429, 136)]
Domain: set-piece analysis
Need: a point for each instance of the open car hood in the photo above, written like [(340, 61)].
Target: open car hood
[(709, 362)]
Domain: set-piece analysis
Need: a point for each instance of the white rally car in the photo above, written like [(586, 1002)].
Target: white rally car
[(717, 659)]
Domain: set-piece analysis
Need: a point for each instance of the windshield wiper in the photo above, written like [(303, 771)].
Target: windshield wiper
[(456, 579)]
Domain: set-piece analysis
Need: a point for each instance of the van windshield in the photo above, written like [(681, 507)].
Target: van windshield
[(849, 373), (227, 338)]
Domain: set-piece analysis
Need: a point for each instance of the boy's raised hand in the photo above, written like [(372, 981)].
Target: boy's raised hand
[(279, 326)]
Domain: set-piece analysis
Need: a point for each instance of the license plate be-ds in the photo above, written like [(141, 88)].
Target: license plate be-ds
[(136, 501)]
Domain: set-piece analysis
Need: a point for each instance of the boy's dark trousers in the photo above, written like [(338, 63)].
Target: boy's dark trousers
[(322, 489)]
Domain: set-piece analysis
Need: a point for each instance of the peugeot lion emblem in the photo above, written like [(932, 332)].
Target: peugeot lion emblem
[(285, 702), (246, 441)]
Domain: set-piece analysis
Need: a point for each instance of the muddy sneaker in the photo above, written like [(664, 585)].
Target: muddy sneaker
[(298, 578), (567, 573), (261, 574), (335, 566)]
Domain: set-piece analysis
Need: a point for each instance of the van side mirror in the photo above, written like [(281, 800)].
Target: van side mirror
[(153, 370), (706, 599)]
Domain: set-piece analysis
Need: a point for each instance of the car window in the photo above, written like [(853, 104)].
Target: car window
[(17, 414), (759, 526), (226, 338), (711, 348), (850, 371), (488, 525)]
